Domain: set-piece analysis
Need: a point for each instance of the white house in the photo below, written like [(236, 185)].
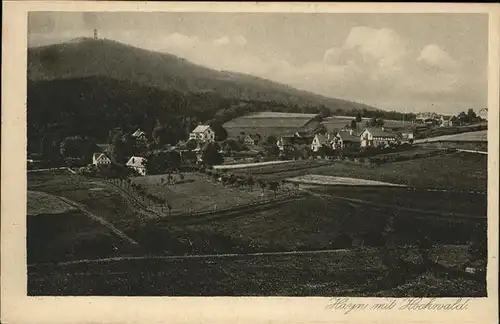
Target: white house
[(138, 164), (100, 159), (139, 134), (374, 137), (319, 141), (446, 121), (202, 133), (483, 113)]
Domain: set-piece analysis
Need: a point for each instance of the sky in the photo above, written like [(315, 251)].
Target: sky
[(403, 62)]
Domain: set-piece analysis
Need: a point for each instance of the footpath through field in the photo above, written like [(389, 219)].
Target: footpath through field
[(249, 165), (192, 256), (86, 212)]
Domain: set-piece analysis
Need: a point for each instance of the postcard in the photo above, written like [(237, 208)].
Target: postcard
[(188, 162)]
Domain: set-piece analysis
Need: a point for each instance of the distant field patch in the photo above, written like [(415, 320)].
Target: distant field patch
[(248, 165), (479, 136), (341, 181)]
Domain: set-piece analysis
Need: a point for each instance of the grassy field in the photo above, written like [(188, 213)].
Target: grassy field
[(442, 202), (350, 273), (200, 192), (479, 136), (57, 231), (43, 203), (457, 171), (325, 222)]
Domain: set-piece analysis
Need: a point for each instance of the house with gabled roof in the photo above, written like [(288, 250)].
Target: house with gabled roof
[(291, 139), (138, 164), (101, 159), (252, 139), (446, 121), (202, 133), (139, 134), (346, 139), (377, 137), (319, 141)]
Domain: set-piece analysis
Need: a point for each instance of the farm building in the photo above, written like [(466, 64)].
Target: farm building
[(138, 164), (446, 121), (271, 123), (407, 135), (374, 137), (288, 140), (319, 141), (252, 139), (346, 139), (202, 133), (139, 134), (100, 159)]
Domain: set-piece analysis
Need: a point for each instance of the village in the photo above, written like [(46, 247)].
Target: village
[(267, 136)]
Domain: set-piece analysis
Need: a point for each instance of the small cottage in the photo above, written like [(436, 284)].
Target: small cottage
[(446, 121), (138, 164), (407, 135), (100, 159), (251, 140), (319, 141), (203, 133)]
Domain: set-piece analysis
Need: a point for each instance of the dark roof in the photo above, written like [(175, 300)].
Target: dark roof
[(322, 139), (347, 137), (255, 137), (380, 133)]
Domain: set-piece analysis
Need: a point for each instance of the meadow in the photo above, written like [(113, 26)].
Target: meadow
[(345, 273)]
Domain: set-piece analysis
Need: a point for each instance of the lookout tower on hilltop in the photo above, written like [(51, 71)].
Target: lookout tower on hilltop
[(95, 33)]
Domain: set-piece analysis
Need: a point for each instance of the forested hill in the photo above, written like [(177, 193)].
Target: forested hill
[(110, 59)]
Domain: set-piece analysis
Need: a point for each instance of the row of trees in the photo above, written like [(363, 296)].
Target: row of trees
[(228, 178)]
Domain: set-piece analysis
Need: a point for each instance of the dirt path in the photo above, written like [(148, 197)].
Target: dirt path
[(194, 256), (85, 211)]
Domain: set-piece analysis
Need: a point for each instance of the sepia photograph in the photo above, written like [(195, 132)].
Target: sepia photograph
[(257, 154)]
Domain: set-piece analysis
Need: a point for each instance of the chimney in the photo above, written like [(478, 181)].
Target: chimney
[(95, 33)]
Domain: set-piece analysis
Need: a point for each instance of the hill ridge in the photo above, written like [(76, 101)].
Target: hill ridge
[(83, 57)]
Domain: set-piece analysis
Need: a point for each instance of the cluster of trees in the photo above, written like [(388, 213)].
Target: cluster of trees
[(161, 161), (108, 171), (465, 118)]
